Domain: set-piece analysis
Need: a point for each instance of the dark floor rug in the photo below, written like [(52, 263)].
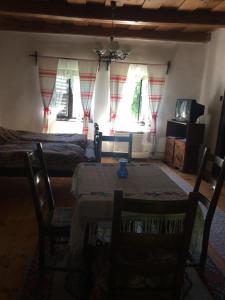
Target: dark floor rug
[(74, 285), (55, 285), (215, 280), (217, 232)]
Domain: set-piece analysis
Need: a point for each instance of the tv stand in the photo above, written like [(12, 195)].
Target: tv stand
[(183, 141)]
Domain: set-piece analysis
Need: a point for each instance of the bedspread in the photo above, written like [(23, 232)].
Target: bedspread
[(16, 136), (59, 156), (62, 151)]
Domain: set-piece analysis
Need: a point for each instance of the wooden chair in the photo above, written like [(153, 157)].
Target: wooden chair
[(115, 139), (97, 143), (208, 163), (53, 222), (150, 254)]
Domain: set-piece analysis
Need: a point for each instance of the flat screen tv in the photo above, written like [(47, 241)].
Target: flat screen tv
[(188, 110)]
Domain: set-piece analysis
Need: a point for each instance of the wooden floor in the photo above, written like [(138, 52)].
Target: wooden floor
[(18, 232)]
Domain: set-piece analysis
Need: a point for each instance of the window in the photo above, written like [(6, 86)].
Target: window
[(64, 98), (137, 104), (66, 102), (135, 101)]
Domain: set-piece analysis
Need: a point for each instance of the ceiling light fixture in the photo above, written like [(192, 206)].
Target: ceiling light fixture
[(114, 52)]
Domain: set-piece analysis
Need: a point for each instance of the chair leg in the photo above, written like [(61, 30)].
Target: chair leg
[(203, 256), (178, 283), (190, 285), (203, 259), (41, 256), (87, 259)]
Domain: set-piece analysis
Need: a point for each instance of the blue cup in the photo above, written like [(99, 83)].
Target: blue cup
[(122, 171)]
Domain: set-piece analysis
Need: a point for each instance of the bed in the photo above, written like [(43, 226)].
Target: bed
[(62, 151)]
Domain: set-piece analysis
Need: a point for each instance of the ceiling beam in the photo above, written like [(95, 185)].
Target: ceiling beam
[(129, 15), (63, 28)]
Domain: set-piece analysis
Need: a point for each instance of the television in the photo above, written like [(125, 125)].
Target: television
[(188, 110)]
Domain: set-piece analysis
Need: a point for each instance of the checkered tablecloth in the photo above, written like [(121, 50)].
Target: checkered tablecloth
[(93, 185)]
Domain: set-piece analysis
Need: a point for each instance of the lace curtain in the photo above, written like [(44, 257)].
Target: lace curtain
[(156, 83), (118, 76), (47, 68), (126, 120), (67, 69), (87, 73)]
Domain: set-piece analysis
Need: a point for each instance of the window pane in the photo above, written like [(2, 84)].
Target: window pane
[(67, 89), (77, 105), (136, 104), (144, 112), (133, 109), (62, 96)]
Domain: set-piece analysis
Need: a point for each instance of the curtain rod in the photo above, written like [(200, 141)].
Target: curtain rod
[(36, 55)]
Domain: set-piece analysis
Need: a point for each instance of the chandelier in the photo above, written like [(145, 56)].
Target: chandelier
[(114, 52)]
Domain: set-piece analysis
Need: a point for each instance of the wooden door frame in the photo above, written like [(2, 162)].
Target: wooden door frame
[(220, 142)]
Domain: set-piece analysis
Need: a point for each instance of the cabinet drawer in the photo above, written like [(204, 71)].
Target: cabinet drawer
[(169, 151), (179, 153)]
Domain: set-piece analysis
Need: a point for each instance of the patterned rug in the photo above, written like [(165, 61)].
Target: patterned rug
[(215, 280), (57, 285), (217, 235), (53, 285)]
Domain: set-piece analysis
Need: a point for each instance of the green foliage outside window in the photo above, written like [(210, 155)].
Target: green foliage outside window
[(136, 103)]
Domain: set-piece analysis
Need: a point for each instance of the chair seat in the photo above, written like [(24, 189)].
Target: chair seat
[(53, 222), (141, 259), (137, 263), (62, 217)]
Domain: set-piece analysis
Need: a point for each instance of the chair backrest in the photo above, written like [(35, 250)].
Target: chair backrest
[(97, 143), (177, 238), (204, 152), (208, 163), (40, 186), (117, 139)]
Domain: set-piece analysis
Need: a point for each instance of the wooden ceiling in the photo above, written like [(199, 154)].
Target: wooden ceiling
[(175, 20)]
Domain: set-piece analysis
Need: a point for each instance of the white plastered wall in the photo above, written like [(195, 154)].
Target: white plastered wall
[(213, 86), (184, 81), (20, 101)]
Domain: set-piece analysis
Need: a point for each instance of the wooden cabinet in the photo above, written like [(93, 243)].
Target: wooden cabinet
[(183, 141), (169, 152), (179, 153)]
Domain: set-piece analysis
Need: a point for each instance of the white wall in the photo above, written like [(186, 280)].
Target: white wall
[(213, 85), (20, 102), (183, 81)]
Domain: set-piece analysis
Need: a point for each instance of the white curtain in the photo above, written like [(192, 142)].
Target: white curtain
[(125, 119), (67, 69), (47, 68), (118, 76), (87, 73), (156, 83)]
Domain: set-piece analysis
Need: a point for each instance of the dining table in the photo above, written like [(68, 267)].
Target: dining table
[(93, 186)]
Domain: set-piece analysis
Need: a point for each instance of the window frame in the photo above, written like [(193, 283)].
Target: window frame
[(140, 99), (69, 115), (66, 103)]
